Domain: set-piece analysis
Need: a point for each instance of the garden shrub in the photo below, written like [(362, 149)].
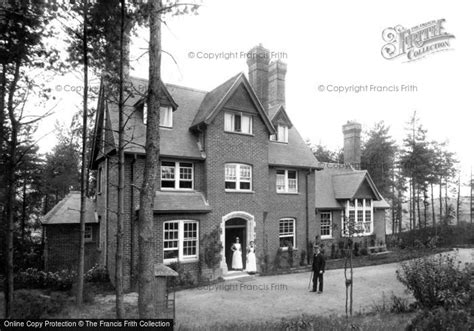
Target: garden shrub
[(291, 256), (277, 260), (97, 274), (364, 251), (356, 249), (32, 304), (441, 319), (34, 278), (333, 251), (303, 257), (436, 281), (183, 279)]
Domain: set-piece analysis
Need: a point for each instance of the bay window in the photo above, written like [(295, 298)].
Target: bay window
[(180, 241), (359, 215)]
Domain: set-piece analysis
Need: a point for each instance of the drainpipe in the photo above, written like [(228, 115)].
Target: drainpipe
[(132, 221), (307, 211)]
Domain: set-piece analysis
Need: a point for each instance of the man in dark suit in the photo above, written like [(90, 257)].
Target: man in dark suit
[(319, 263)]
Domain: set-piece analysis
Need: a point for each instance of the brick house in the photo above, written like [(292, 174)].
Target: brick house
[(230, 158)]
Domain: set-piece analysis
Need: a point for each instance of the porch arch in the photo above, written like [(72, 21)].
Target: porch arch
[(250, 227)]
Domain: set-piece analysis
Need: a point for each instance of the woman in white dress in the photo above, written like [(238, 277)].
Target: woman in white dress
[(237, 255), (251, 259)]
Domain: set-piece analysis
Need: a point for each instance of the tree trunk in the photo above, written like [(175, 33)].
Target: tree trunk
[(23, 211), (458, 202), (82, 218), (440, 199), (11, 192), (446, 199), (121, 179), (418, 207), (433, 206), (410, 204), (152, 149)]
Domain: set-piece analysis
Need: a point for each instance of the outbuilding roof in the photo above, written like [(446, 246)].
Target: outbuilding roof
[(67, 211)]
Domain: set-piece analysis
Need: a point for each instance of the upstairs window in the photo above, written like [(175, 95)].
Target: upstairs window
[(287, 181), (281, 135), (166, 116), (99, 180), (177, 175), (238, 122), (238, 177)]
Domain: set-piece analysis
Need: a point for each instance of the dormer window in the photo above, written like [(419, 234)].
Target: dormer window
[(238, 122), (166, 116), (281, 135)]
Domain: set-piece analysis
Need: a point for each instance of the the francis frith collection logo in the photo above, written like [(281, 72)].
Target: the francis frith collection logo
[(416, 42)]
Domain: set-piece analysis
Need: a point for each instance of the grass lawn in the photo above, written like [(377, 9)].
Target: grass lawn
[(261, 302)]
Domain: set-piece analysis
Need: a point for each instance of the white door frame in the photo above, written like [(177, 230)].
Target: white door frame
[(250, 226)]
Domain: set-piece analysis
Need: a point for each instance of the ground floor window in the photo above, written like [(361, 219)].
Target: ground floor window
[(359, 213), (326, 224), (287, 233), (88, 233), (180, 240)]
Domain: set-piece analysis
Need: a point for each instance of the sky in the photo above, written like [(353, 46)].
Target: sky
[(327, 45)]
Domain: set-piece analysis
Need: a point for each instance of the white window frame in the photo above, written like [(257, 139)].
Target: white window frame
[(286, 185), (287, 234), (99, 180), (177, 176), (328, 226), (88, 236), (168, 116), (281, 135), (238, 177), (366, 224), (229, 122), (181, 239)]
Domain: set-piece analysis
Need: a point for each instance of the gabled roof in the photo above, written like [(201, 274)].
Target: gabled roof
[(346, 185), (217, 98), (278, 113), (67, 211), (335, 184), (175, 142)]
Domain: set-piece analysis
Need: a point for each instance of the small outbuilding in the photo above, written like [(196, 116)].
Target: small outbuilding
[(62, 235)]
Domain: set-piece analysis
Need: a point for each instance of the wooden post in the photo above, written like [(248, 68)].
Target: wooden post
[(161, 301)]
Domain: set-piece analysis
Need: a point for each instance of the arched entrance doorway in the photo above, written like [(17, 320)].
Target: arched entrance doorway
[(235, 224)]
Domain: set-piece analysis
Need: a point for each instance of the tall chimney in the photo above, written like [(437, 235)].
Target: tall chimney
[(258, 59), (352, 149), (276, 83)]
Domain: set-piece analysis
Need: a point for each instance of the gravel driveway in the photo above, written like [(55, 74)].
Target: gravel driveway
[(273, 297)]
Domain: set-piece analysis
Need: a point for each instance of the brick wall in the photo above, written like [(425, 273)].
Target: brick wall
[(62, 247)]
